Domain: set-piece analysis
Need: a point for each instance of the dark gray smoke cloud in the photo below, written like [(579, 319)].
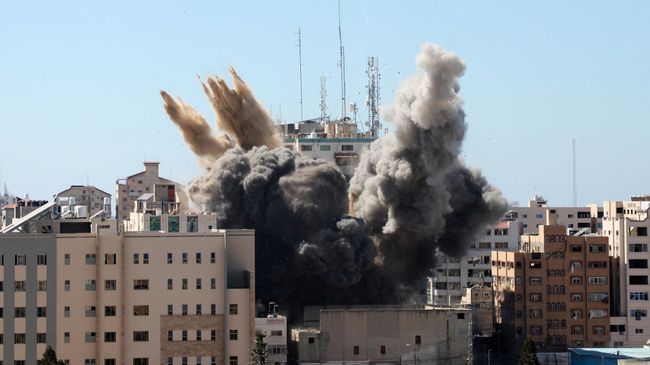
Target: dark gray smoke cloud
[(409, 196)]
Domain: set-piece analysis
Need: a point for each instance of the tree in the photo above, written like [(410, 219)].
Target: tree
[(49, 357), (259, 354), (528, 353)]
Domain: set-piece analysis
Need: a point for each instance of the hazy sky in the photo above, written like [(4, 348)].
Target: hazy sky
[(79, 83)]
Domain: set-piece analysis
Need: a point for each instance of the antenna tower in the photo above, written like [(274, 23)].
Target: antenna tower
[(342, 66), (575, 184), (300, 68), (372, 102), (323, 97)]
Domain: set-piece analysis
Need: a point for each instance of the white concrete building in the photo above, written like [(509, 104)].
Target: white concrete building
[(274, 327)]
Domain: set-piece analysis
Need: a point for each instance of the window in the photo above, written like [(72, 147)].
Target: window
[(90, 337), (198, 360), (90, 311), (41, 259), (141, 361), (535, 297), (170, 309), (66, 337), (597, 264), (638, 280), (20, 260), (66, 285), (66, 259), (140, 336), (576, 297), (41, 312), (198, 335), (90, 285), (305, 147), (213, 257), (42, 285), (535, 313), (638, 247), (598, 330), (41, 337), (576, 314), (597, 248), (638, 330), (501, 245), (232, 360), (110, 285), (213, 335), (213, 309), (140, 284), (19, 285), (213, 283), (91, 259), (110, 259), (536, 330), (638, 313), (347, 147), (233, 335), (535, 281), (484, 245), (170, 284), (19, 312), (382, 350), (599, 297), (136, 258), (170, 258), (110, 311), (639, 295), (576, 330), (638, 264), (198, 257), (575, 248), (597, 280), (198, 284), (184, 309), (198, 309), (184, 284), (110, 336), (184, 257), (184, 335), (66, 311), (140, 310), (597, 313), (576, 280), (145, 258), (232, 309)]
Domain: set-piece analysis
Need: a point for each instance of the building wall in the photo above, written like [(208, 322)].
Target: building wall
[(88, 196), (275, 330), (344, 152)]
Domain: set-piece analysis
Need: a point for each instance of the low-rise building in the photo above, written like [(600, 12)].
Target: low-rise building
[(274, 328), (94, 199)]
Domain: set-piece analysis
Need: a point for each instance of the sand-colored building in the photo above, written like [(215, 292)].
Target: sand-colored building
[(145, 297), (555, 289), (93, 198)]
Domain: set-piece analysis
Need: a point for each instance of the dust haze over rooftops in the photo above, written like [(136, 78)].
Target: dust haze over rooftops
[(410, 195)]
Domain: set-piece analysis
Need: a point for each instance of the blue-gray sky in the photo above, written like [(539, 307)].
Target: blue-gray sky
[(79, 83)]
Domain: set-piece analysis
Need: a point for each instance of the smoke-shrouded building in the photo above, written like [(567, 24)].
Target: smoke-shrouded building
[(555, 289), (146, 297)]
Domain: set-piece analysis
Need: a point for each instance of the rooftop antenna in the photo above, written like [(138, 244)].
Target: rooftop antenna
[(342, 66), (300, 68), (575, 184), (323, 97), (372, 102)]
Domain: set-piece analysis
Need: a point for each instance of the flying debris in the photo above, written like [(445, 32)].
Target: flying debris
[(410, 195)]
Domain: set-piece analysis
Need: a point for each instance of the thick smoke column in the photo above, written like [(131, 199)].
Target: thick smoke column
[(410, 193), (239, 115), (410, 187)]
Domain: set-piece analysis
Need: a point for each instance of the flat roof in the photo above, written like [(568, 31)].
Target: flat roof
[(614, 352)]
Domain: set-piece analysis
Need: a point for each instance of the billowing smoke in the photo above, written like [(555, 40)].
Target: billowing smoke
[(410, 195)]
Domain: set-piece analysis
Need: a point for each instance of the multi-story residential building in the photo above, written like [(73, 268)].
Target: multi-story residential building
[(133, 297), (626, 224), (336, 141), (387, 335), (587, 218), (555, 289), (454, 275), (274, 328), (127, 191), (21, 208), (94, 199), (480, 301)]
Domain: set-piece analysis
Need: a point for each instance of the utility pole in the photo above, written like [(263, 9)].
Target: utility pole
[(575, 184), (323, 97)]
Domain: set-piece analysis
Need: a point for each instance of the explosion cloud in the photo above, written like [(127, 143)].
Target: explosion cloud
[(411, 194)]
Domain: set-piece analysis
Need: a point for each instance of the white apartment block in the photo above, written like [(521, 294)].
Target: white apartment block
[(453, 276), (588, 217), (274, 328), (128, 298), (626, 224), (94, 199)]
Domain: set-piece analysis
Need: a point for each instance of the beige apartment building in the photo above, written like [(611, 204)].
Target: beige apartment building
[(127, 191), (94, 199), (138, 298), (555, 289), (588, 217), (626, 225)]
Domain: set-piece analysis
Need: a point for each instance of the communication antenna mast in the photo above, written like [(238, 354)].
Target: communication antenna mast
[(323, 97), (372, 102), (300, 68), (575, 184), (342, 66)]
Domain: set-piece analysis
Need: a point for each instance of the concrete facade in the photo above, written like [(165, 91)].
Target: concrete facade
[(129, 298), (274, 327), (88, 196)]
